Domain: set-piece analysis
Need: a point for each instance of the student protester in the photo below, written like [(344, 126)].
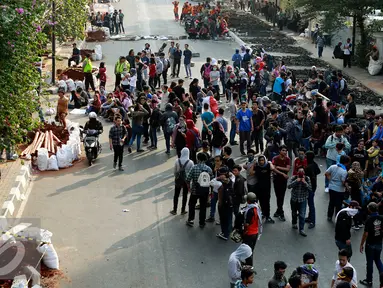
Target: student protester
[(236, 261), (312, 171), (279, 279)]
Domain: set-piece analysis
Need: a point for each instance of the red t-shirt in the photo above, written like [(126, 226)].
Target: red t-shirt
[(299, 163), (152, 70), (188, 114), (278, 161)]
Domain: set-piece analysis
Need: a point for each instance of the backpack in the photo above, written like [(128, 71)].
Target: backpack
[(181, 174), (170, 124), (296, 132), (203, 184), (228, 194), (197, 141), (206, 71), (345, 89)]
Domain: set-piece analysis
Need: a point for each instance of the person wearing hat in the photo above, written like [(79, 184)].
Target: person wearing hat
[(344, 278), (343, 224), (253, 224), (372, 237), (374, 53)]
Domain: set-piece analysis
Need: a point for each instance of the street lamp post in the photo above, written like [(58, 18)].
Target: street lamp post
[(53, 42)]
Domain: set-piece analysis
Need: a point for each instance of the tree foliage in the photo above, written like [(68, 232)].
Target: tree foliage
[(22, 40)]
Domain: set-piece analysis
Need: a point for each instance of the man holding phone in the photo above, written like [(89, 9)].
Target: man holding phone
[(300, 186)]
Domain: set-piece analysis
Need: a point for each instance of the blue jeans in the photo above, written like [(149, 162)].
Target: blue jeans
[(213, 204), (306, 143), (320, 51), (136, 131), (233, 129), (342, 245), (188, 70), (298, 208), (329, 162), (153, 138), (310, 201), (167, 140), (373, 255)]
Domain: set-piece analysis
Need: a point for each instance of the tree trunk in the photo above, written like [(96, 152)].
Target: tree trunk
[(362, 46)]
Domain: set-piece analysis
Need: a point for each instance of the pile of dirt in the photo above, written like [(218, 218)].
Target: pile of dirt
[(303, 60)]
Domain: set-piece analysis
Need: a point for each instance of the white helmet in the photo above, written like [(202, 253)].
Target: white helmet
[(92, 115)]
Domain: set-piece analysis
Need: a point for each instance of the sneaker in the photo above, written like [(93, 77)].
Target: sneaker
[(197, 206), (154, 148), (302, 233), (243, 153), (355, 227), (217, 223), (307, 220), (167, 152), (311, 226), (140, 150), (295, 226), (150, 147), (184, 212), (277, 214), (191, 78), (366, 283), (186, 77), (234, 143), (173, 212), (202, 226), (326, 190), (120, 169), (210, 220), (114, 165), (361, 225), (129, 150), (270, 220), (221, 236), (190, 223), (282, 218)]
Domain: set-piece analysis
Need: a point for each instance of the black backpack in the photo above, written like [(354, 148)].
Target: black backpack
[(181, 174)]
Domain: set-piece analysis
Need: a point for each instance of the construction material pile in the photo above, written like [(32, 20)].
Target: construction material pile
[(75, 73), (54, 147), (98, 35), (40, 264)]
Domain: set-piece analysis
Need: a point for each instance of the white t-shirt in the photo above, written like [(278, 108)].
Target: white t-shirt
[(288, 82), (347, 49), (71, 85), (133, 81), (206, 100), (125, 81), (339, 269)]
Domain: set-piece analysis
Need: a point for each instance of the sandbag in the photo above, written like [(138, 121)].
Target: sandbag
[(50, 258), (64, 156), (42, 159), (374, 67), (52, 163), (40, 235), (98, 52)]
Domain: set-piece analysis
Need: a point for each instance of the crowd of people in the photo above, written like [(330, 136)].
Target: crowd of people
[(284, 133)]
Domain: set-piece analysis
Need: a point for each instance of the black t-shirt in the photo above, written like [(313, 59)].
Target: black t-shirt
[(194, 91), (179, 91), (374, 229), (258, 117), (264, 176), (359, 156), (321, 115), (180, 140)]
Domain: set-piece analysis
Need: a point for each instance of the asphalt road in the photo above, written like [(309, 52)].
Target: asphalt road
[(101, 246)]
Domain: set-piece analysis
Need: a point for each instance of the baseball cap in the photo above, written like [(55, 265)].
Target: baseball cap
[(251, 197), (354, 204)]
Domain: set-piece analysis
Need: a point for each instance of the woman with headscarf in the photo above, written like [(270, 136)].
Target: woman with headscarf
[(182, 167), (154, 122), (179, 135), (191, 134), (263, 171), (96, 105), (353, 183), (218, 140), (236, 261)]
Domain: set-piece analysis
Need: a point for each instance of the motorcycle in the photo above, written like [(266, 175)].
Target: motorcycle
[(92, 145)]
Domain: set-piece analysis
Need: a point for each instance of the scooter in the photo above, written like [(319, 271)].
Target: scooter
[(92, 145)]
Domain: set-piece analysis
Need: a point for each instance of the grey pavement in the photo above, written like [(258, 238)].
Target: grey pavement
[(101, 246)]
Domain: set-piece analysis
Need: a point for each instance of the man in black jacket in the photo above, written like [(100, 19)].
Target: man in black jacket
[(239, 188), (350, 108), (343, 226)]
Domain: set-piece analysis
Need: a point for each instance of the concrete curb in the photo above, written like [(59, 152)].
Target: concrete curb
[(17, 193)]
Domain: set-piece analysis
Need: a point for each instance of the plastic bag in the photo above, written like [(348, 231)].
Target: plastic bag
[(50, 258), (374, 67), (42, 159), (50, 111), (64, 156), (98, 51), (52, 163)]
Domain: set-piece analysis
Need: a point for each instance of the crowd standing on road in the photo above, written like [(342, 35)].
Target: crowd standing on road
[(299, 120)]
